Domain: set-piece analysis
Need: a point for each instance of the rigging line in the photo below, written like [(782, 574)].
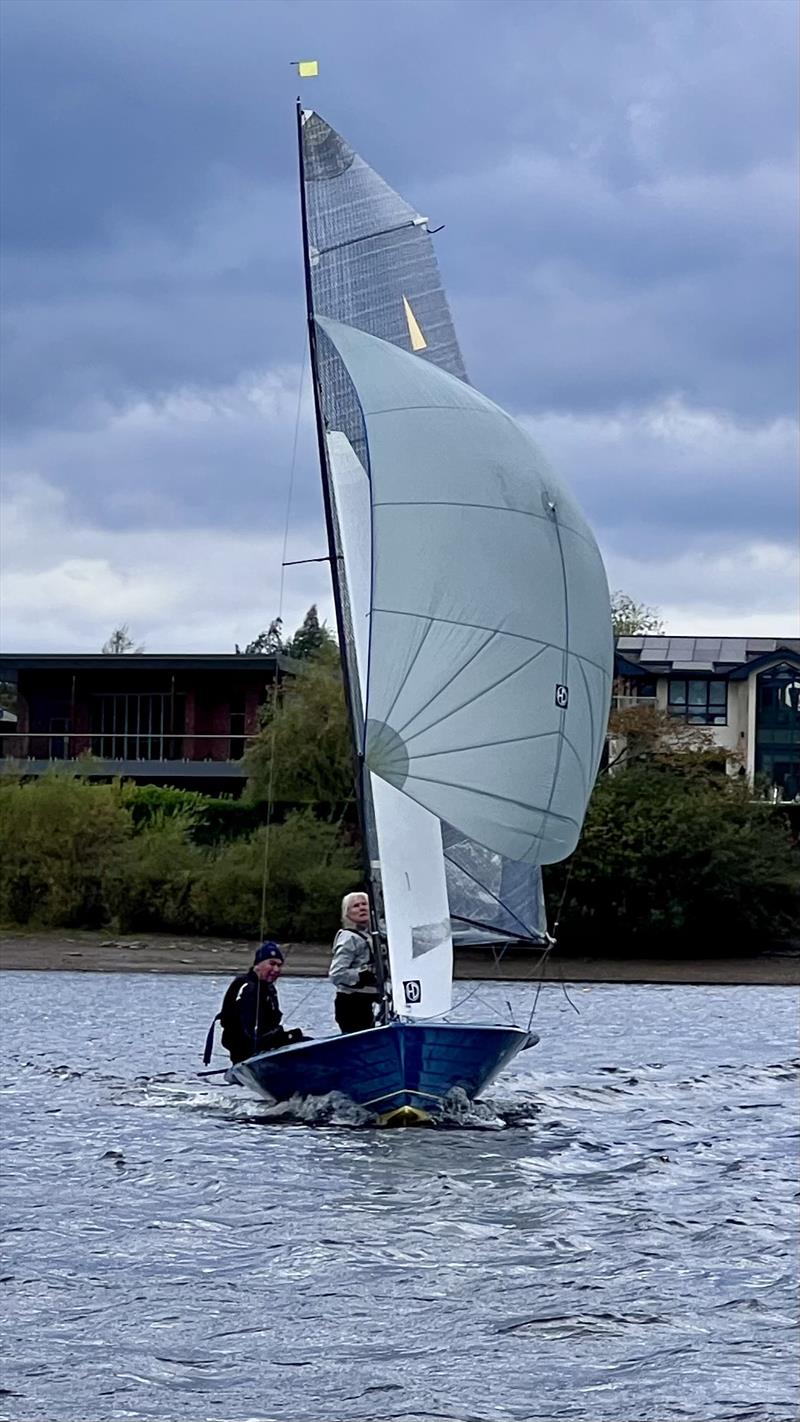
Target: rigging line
[(315, 983), (538, 968), (561, 901), (273, 729), (499, 632), (484, 691), (440, 1016), (526, 934), (498, 958), (474, 992), (541, 969), (572, 1004), (551, 945)]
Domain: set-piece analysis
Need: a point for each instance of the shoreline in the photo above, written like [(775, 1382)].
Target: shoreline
[(95, 952)]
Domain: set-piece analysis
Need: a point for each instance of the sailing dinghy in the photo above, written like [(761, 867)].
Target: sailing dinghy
[(475, 634)]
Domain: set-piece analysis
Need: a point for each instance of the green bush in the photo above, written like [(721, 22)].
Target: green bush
[(75, 854), (59, 838), (671, 857), (309, 868), (149, 882), (681, 858), (213, 818)]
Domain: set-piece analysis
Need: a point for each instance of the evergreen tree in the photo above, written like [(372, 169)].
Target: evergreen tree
[(311, 637), (266, 643)]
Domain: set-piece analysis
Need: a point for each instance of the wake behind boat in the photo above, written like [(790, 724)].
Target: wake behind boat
[(475, 636)]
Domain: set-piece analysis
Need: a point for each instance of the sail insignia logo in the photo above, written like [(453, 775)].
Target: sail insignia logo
[(413, 991), (562, 697)]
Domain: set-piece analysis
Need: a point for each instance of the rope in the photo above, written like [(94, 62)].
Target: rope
[(315, 983), (271, 781), (539, 968)]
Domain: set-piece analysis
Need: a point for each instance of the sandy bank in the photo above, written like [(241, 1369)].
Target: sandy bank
[(156, 953)]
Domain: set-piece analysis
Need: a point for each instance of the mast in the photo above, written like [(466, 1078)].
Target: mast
[(355, 710)]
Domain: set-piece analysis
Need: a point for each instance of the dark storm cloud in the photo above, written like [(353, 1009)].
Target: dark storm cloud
[(617, 181)]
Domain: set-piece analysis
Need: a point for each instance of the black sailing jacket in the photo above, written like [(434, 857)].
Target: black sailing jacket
[(250, 1018)]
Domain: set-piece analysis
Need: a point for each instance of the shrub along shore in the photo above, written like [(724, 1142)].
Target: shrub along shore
[(675, 864)]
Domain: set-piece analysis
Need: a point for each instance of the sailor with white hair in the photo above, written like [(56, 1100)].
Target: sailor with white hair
[(351, 969)]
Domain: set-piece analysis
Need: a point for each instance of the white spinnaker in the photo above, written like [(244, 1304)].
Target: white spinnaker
[(409, 836), (490, 633)]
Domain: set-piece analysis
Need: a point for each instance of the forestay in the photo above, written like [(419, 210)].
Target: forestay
[(490, 651)]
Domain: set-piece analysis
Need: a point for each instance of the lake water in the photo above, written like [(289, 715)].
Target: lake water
[(612, 1237)]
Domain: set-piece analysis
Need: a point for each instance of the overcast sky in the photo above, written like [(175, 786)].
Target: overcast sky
[(618, 183)]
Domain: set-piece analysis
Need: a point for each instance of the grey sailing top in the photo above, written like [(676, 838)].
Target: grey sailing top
[(351, 958)]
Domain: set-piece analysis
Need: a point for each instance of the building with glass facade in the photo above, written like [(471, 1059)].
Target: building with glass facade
[(746, 690)]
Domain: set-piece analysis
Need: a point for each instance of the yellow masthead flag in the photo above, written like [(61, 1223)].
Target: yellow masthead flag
[(307, 68)]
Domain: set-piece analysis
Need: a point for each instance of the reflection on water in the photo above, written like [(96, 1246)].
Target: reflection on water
[(611, 1235)]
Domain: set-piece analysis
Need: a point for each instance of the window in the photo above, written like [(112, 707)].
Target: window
[(137, 725), (779, 699), (778, 729), (237, 727), (700, 701)]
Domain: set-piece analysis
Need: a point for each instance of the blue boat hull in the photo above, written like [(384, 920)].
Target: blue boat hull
[(404, 1067)]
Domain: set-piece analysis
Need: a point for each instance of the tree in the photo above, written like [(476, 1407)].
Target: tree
[(648, 732), (311, 637), (121, 641), (266, 643), (674, 857), (631, 619), (303, 752)]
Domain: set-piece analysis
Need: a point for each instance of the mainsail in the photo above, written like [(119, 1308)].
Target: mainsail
[(371, 265)]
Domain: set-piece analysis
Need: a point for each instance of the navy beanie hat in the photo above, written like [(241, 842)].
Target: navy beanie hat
[(267, 950)]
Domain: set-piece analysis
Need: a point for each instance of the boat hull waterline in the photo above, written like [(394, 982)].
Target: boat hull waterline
[(403, 1071)]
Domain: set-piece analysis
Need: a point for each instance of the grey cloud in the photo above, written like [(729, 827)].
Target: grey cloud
[(223, 459), (617, 184), (155, 138), (672, 478)]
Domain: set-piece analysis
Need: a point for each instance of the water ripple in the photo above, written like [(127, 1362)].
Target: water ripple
[(610, 1235)]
